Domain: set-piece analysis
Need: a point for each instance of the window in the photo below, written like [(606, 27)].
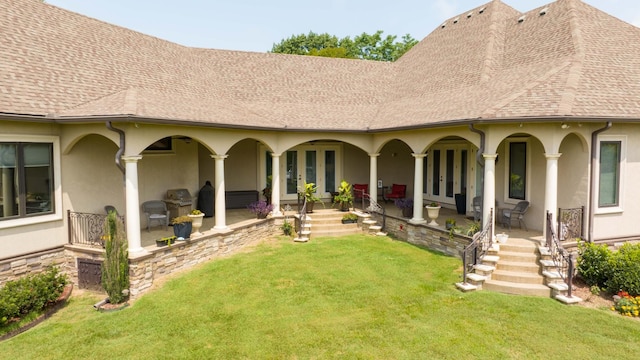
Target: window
[(609, 176), (517, 170), (26, 179)]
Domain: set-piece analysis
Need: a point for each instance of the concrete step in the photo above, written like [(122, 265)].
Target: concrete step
[(517, 288), (300, 239), (331, 226), (336, 232), (519, 266), (525, 248), (518, 256), (466, 287), (517, 277)]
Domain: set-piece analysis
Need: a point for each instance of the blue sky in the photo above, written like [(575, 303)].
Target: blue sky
[(255, 25)]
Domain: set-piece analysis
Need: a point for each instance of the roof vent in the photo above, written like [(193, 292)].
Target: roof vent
[(481, 10), (469, 15), (521, 19), (543, 11), (455, 21), (443, 25)]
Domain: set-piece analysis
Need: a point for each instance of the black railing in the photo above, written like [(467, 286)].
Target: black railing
[(479, 247), (562, 259), (571, 223), (373, 206)]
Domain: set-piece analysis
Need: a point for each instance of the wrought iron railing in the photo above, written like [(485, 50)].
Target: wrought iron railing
[(373, 206), (562, 259), (85, 228), (479, 247), (570, 223)]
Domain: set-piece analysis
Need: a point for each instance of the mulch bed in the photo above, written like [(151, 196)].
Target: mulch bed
[(50, 310)]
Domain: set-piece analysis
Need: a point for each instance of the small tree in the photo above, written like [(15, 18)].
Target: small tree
[(115, 268)]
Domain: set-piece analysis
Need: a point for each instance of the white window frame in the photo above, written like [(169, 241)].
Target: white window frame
[(507, 155), (623, 160), (57, 190)]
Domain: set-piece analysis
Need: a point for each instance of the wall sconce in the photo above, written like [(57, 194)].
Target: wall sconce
[(565, 126)]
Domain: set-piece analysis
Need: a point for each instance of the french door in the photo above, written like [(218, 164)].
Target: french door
[(447, 172)]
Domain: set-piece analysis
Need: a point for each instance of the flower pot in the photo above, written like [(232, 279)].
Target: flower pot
[(348, 221), (182, 230), (310, 207), (502, 238), (196, 224), (433, 212), (261, 215)]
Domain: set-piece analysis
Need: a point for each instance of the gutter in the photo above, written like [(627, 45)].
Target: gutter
[(594, 159), (122, 146)]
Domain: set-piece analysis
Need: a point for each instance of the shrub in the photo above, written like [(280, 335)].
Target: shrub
[(625, 270), (115, 268), (593, 263), (31, 293)]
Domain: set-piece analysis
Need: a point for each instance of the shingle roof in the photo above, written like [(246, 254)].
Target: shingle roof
[(572, 61)]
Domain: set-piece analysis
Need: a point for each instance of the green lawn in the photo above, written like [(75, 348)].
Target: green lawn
[(356, 297)]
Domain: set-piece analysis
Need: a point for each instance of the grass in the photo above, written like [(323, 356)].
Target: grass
[(354, 297)]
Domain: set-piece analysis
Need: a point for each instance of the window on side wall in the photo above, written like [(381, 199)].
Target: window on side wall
[(26, 179), (610, 173), (517, 181)]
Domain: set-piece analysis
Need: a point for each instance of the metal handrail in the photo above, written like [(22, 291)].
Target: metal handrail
[(478, 249), (562, 259), (373, 206)]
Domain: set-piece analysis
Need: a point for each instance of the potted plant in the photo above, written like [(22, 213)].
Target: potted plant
[(182, 227), (196, 221), (349, 218), (168, 240), (344, 197), (309, 194), (406, 206), (474, 227), (260, 208), (433, 210), (450, 223)]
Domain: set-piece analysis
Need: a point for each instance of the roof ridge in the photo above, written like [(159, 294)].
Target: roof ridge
[(568, 96), (495, 46), (491, 111)]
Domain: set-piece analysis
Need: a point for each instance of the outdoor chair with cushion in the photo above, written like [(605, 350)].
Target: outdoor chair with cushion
[(156, 211), (359, 190), (398, 191), (517, 213)]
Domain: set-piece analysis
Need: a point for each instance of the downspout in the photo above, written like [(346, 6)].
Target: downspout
[(594, 159), (121, 149)]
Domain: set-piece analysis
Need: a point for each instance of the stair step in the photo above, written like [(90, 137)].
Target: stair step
[(552, 275), (466, 287), (491, 258), (518, 257), (518, 266), (300, 239), (517, 288), (547, 263), (375, 228), (381, 233), (484, 268), (476, 279), (517, 277), (568, 300), (369, 222)]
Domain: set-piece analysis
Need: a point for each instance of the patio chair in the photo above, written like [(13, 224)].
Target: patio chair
[(517, 213), (359, 190), (398, 191), (109, 208), (156, 211)]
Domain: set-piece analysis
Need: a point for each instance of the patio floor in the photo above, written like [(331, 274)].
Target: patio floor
[(239, 217)]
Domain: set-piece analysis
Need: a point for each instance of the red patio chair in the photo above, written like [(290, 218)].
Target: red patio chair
[(398, 191)]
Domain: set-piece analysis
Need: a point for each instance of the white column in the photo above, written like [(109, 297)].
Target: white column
[(373, 176), (489, 196), (221, 215), (551, 189), (418, 217), (275, 183), (132, 203)]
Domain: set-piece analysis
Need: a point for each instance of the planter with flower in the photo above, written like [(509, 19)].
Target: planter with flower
[(433, 211), (196, 221), (260, 208), (182, 227), (350, 218), (344, 198), (309, 194), (406, 206)]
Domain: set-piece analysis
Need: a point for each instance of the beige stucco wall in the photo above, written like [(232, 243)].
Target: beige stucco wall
[(396, 165), (355, 165), (241, 167)]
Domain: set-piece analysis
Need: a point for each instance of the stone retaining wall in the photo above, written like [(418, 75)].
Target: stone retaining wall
[(424, 235), (18, 267)]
